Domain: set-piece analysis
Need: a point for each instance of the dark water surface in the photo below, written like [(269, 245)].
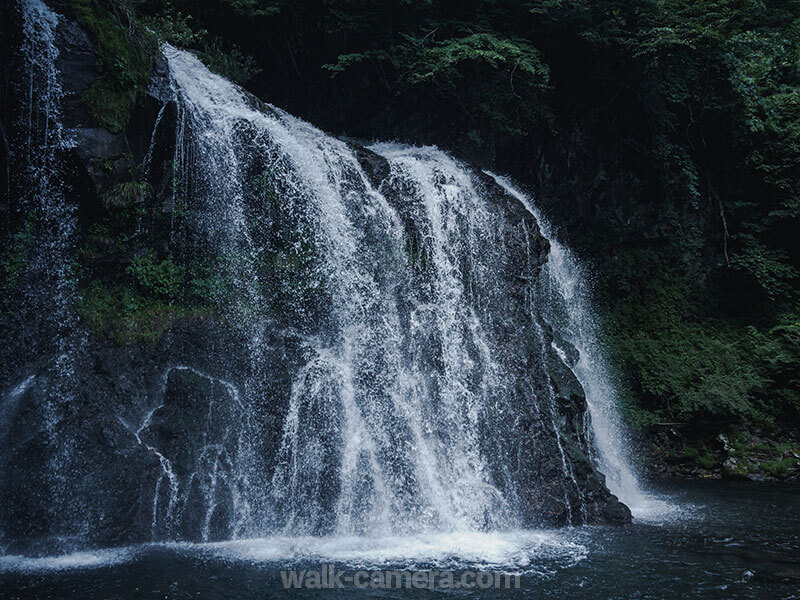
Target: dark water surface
[(723, 540)]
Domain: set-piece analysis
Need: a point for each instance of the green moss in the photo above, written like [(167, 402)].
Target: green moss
[(161, 278), (125, 55), (780, 468), (118, 313)]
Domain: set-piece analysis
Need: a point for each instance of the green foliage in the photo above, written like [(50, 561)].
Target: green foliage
[(444, 60), (125, 54), (255, 8), (770, 267), (765, 77), (126, 194), (777, 352), (681, 366), (208, 283), (230, 62), (707, 460), (161, 278), (506, 77), (13, 259), (175, 27), (118, 313), (682, 361), (700, 456), (181, 29), (780, 468), (492, 78)]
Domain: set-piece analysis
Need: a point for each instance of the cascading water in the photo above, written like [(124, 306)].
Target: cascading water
[(568, 309), (46, 219), (381, 361), (401, 445), (50, 285)]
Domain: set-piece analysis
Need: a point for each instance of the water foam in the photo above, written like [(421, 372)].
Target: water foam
[(94, 559), (523, 550)]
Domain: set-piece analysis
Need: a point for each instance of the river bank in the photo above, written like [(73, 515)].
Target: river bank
[(674, 451)]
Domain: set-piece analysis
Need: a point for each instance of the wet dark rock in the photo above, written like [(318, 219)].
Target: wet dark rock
[(103, 155), (615, 512), (375, 165), (77, 62)]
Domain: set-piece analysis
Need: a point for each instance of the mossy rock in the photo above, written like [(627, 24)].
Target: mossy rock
[(125, 55)]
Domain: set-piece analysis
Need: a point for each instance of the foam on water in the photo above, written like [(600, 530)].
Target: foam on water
[(94, 559), (515, 550), (522, 551)]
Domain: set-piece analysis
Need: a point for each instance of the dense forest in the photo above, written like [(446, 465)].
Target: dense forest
[(662, 136)]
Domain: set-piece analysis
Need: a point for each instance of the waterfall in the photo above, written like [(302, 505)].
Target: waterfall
[(568, 308), (45, 218), (400, 442), (381, 358), (49, 283), (386, 426)]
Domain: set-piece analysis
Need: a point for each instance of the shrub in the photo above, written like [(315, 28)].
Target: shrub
[(161, 278), (127, 193), (117, 313)]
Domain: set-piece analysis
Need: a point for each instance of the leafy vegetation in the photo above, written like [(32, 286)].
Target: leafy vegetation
[(119, 313), (160, 278), (127, 193), (135, 286), (181, 29), (14, 256)]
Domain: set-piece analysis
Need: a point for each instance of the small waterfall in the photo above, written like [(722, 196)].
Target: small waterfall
[(49, 281), (568, 309), (46, 217)]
